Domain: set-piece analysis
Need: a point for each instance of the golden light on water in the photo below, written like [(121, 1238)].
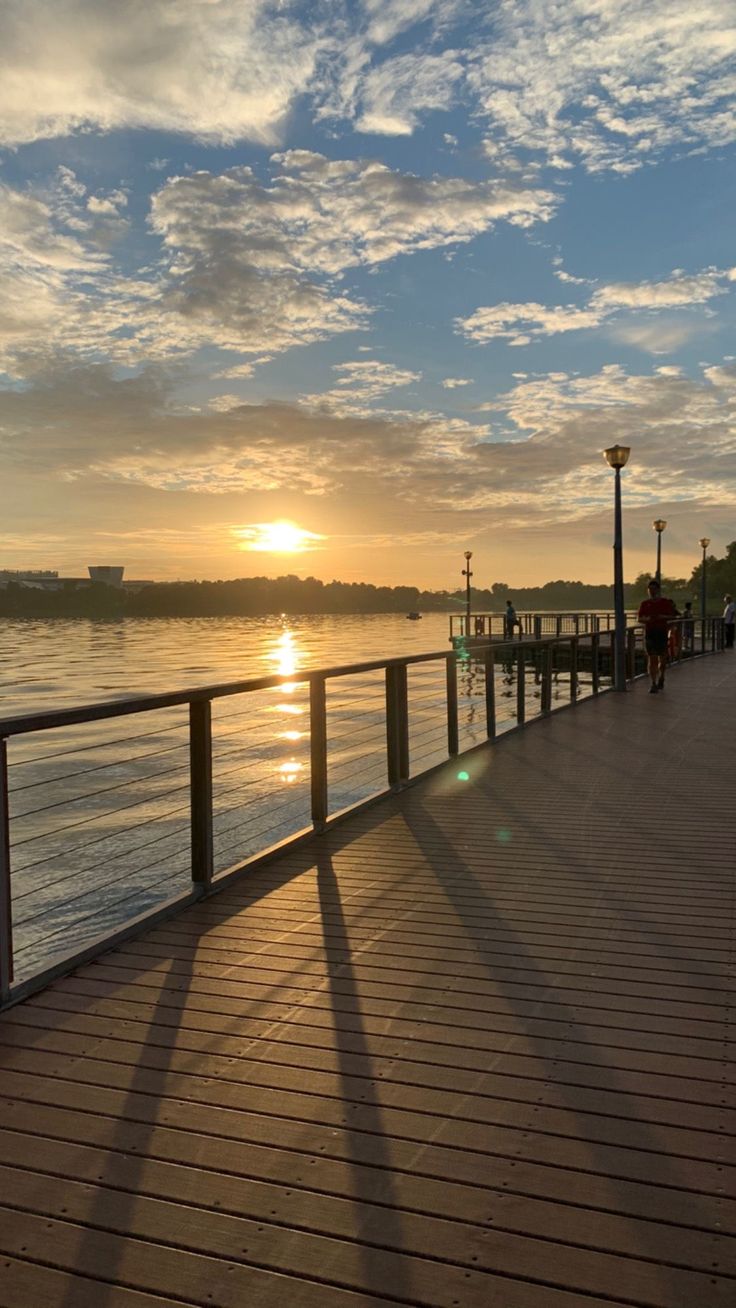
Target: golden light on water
[(280, 537)]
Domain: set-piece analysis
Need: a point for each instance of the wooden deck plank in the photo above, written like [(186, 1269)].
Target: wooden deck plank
[(474, 1047), (655, 1098), (415, 1190), (483, 1097), (341, 1262)]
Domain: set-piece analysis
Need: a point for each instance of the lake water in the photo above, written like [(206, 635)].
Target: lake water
[(100, 811)]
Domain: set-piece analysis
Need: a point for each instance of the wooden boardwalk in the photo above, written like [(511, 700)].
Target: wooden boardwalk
[(473, 1048)]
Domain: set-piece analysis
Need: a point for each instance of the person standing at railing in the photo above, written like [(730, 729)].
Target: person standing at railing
[(510, 620), (729, 620), (656, 613)]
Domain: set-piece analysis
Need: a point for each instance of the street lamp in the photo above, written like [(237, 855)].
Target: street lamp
[(704, 543), (659, 525), (467, 575), (617, 457)]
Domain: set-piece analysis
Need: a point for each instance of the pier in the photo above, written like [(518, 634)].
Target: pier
[(470, 1045)]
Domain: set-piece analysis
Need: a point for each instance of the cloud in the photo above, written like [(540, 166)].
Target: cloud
[(451, 383), (658, 335), (675, 291), (610, 86), (504, 320), (254, 266), (359, 384), (222, 70), (519, 324), (395, 95)]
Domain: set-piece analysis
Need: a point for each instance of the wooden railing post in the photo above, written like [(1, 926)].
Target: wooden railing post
[(318, 750), (397, 724), (573, 669), (6, 903), (490, 671), (595, 647), (453, 731), (520, 688), (546, 699), (630, 653), (200, 787)]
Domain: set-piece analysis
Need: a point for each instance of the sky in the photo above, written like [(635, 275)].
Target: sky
[(393, 272)]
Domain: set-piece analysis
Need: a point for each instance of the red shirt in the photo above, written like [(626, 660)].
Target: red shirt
[(656, 614)]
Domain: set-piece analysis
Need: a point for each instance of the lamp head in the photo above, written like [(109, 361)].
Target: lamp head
[(617, 456), (468, 555), (659, 524), (704, 542)]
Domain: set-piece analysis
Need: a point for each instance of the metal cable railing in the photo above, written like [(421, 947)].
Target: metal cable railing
[(77, 869)]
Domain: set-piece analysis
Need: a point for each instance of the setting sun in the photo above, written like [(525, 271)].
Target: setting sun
[(277, 538)]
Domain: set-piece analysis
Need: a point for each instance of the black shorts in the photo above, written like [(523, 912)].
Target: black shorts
[(656, 640)]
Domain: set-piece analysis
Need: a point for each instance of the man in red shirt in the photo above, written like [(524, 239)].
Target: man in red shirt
[(656, 613)]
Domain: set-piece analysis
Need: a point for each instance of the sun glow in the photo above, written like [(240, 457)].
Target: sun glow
[(277, 538)]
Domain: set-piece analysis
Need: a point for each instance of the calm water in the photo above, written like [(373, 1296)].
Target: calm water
[(100, 811), (50, 664)]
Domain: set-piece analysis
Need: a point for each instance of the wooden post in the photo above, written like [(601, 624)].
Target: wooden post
[(490, 671), (200, 786), (453, 734), (318, 750), (520, 688), (546, 702), (595, 646), (537, 627), (631, 653), (397, 724), (573, 669), (6, 902)]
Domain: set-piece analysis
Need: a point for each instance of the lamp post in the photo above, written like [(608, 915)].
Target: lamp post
[(617, 457), (467, 575), (659, 525), (704, 543)]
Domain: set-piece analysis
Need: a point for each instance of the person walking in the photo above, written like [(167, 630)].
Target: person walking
[(656, 613), (729, 619), (510, 620)]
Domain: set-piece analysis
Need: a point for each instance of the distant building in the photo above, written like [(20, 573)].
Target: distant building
[(105, 574)]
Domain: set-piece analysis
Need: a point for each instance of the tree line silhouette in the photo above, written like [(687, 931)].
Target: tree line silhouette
[(256, 596)]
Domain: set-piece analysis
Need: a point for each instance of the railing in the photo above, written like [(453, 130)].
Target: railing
[(537, 625), (108, 834)]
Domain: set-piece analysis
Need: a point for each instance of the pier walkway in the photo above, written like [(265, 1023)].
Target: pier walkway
[(472, 1048)]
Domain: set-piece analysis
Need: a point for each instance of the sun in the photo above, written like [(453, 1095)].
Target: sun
[(277, 538)]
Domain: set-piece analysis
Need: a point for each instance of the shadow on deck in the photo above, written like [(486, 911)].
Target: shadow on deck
[(471, 1048)]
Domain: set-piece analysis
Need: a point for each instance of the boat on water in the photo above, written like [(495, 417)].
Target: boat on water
[(414, 617)]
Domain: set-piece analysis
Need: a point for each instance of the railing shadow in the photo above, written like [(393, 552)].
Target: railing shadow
[(125, 1199), (351, 1040)]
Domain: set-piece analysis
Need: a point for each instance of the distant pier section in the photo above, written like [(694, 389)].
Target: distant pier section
[(467, 630)]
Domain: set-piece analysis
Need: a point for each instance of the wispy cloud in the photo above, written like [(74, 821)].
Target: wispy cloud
[(521, 323)]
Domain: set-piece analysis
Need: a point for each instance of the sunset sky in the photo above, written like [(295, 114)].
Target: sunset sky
[(391, 271)]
